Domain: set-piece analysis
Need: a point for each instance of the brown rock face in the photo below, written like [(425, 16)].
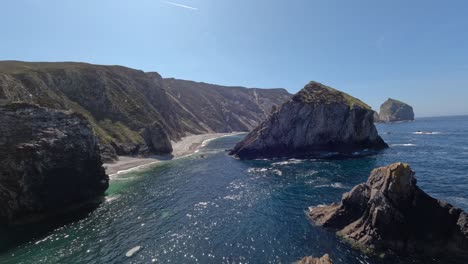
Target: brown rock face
[(390, 213), (325, 259), (317, 119), (49, 160)]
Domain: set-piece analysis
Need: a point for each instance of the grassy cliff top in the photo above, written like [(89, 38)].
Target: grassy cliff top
[(17, 67), (317, 93)]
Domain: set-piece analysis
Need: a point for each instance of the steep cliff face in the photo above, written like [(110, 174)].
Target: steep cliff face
[(48, 160), (224, 109), (391, 213), (119, 102), (316, 119), (394, 111), (123, 105)]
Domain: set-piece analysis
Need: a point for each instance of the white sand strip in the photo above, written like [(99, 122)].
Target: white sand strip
[(185, 147)]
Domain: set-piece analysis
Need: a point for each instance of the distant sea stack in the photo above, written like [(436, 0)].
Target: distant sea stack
[(395, 111), (317, 119), (49, 160), (391, 213)]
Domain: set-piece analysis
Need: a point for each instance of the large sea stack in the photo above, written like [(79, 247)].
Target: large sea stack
[(49, 161), (317, 119), (395, 111), (391, 213)]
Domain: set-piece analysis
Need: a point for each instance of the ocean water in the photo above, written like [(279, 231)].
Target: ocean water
[(211, 208)]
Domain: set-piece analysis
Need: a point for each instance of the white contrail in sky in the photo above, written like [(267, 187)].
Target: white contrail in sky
[(180, 5)]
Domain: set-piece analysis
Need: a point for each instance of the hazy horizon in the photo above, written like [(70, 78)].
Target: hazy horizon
[(411, 51)]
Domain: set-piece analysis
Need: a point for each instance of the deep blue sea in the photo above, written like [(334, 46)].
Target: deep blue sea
[(216, 209)]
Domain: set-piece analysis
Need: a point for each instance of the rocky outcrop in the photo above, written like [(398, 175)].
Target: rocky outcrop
[(325, 259), (395, 111), (317, 119), (49, 160), (391, 213), (123, 104), (157, 139)]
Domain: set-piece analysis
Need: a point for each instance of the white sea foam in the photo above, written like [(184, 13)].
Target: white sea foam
[(426, 133), (278, 172), (337, 185), (255, 170), (234, 197), (403, 145), (290, 161), (112, 198)]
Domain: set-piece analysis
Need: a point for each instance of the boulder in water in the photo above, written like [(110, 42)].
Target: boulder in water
[(391, 213), (325, 259)]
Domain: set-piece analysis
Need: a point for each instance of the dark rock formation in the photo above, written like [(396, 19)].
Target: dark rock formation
[(157, 139), (122, 104), (325, 259), (394, 111), (390, 213), (316, 119), (49, 160)]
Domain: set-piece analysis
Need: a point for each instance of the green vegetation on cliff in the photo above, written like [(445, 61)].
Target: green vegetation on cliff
[(123, 104), (317, 93)]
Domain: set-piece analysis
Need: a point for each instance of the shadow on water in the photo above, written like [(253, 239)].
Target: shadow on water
[(17, 234)]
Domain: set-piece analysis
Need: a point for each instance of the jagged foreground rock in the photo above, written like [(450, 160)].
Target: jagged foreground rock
[(318, 118), (394, 111), (325, 259), (391, 213), (133, 112), (49, 160)]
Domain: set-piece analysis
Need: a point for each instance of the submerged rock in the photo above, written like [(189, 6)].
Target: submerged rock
[(394, 111), (391, 213), (325, 259), (49, 161), (318, 118)]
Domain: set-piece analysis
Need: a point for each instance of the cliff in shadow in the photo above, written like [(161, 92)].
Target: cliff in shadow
[(49, 161)]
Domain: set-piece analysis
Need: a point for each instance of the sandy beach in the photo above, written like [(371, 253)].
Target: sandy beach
[(186, 146)]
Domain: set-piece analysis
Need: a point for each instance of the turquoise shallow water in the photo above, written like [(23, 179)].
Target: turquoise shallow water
[(220, 210)]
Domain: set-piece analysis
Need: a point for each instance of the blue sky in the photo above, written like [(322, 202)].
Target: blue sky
[(415, 51)]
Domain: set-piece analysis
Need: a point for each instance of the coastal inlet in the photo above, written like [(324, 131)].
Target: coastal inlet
[(216, 209)]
